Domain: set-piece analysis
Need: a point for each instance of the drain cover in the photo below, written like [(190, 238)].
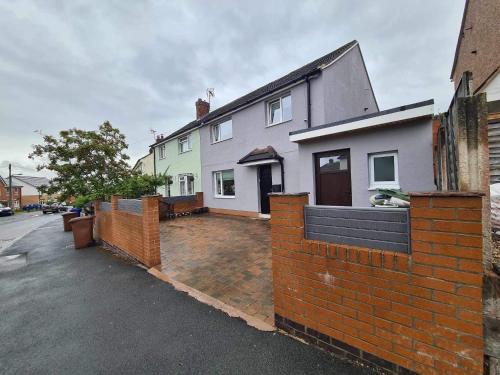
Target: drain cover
[(13, 262)]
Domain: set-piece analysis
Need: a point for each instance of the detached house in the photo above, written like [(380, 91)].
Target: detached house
[(32, 188)]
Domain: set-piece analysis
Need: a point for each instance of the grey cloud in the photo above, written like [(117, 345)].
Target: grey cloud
[(142, 65)]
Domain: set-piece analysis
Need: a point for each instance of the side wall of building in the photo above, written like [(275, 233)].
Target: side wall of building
[(176, 164), (343, 91), (412, 141), (480, 42)]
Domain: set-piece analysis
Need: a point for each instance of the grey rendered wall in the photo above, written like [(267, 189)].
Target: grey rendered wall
[(250, 132), (331, 99), (342, 91), (412, 141)]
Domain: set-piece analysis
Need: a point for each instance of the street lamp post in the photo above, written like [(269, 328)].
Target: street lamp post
[(10, 185)]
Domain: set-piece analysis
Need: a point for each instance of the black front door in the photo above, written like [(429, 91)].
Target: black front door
[(266, 186), (333, 178)]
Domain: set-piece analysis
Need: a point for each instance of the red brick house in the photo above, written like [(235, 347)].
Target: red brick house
[(4, 194)]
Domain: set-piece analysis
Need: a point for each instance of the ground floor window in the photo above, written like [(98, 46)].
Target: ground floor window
[(384, 170), (186, 184), (224, 183)]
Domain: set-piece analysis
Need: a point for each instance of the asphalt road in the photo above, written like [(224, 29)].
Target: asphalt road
[(88, 312), (14, 227)]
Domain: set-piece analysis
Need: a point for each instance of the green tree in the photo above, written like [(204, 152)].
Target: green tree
[(138, 185), (86, 163)]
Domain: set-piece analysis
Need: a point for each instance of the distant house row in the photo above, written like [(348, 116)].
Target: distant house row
[(25, 190), (317, 129)]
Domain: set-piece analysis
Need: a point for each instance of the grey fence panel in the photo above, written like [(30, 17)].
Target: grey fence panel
[(105, 206), (130, 205), (179, 198), (373, 227)]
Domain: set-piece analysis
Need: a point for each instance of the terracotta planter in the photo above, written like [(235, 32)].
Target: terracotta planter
[(82, 228), (67, 216)]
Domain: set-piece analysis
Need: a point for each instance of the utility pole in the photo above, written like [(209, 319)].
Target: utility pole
[(10, 186)]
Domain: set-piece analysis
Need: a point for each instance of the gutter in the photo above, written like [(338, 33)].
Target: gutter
[(294, 83)]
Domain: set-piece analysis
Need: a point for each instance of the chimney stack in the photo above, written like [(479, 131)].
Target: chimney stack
[(202, 108)]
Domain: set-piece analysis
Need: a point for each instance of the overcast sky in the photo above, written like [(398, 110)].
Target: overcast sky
[(142, 65)]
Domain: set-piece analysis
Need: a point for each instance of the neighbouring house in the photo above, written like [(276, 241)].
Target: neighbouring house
[(146, 164), (477, 52), (31, 188), (245, 148), (478, 47), (177, 156), (17, 199), (344, 162)]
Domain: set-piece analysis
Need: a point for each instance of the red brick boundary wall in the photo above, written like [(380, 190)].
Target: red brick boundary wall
[(403, 313), (135, 233)]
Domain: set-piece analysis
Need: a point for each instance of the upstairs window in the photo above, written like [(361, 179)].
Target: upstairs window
[(224, 184), (280, 110), (186, 184), (222, 131), (185, 143), (384, 170), (163, 154)]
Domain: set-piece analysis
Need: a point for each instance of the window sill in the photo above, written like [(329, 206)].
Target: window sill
[(185, 152), (278, 123), (224, 196), (223, 140), (391, 187)]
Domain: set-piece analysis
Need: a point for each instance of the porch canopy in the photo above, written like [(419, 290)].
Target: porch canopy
[(259, 156)]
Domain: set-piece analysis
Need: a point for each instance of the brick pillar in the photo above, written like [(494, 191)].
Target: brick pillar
[(114, 202), (446, 234), (199, 199), (97, 224), (151, 230), (287, 233)]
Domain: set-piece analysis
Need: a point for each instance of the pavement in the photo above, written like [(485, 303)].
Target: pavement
[(89, 312)]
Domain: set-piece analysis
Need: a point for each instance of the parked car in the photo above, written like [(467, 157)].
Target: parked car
[(63, 207), (53, 208), (5, 211)]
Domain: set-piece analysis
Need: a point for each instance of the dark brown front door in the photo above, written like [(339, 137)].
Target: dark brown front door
[(333, 178)]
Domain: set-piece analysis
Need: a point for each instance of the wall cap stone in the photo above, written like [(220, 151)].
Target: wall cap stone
[(288, 194), (448, 194)]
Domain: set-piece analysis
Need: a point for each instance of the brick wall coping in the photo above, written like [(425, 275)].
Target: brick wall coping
[(288, 194), (448, 194)]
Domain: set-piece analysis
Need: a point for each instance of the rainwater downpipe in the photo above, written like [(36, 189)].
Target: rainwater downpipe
[(282, 176), (308, 83)]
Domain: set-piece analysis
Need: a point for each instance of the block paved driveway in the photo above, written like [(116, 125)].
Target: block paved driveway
[(225, 257), (87, 312)]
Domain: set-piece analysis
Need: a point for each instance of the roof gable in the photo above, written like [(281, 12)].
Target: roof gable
[(284, 81)]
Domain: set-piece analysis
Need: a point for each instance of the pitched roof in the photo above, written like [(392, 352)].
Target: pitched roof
[(258, 154), (267, 89), (32, 180)]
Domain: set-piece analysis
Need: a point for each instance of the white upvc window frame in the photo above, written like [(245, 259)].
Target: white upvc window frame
[(216, 193), (162, 151), (185, 139), (374, 185), (280, 101), (188, 185), (216, 128)]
